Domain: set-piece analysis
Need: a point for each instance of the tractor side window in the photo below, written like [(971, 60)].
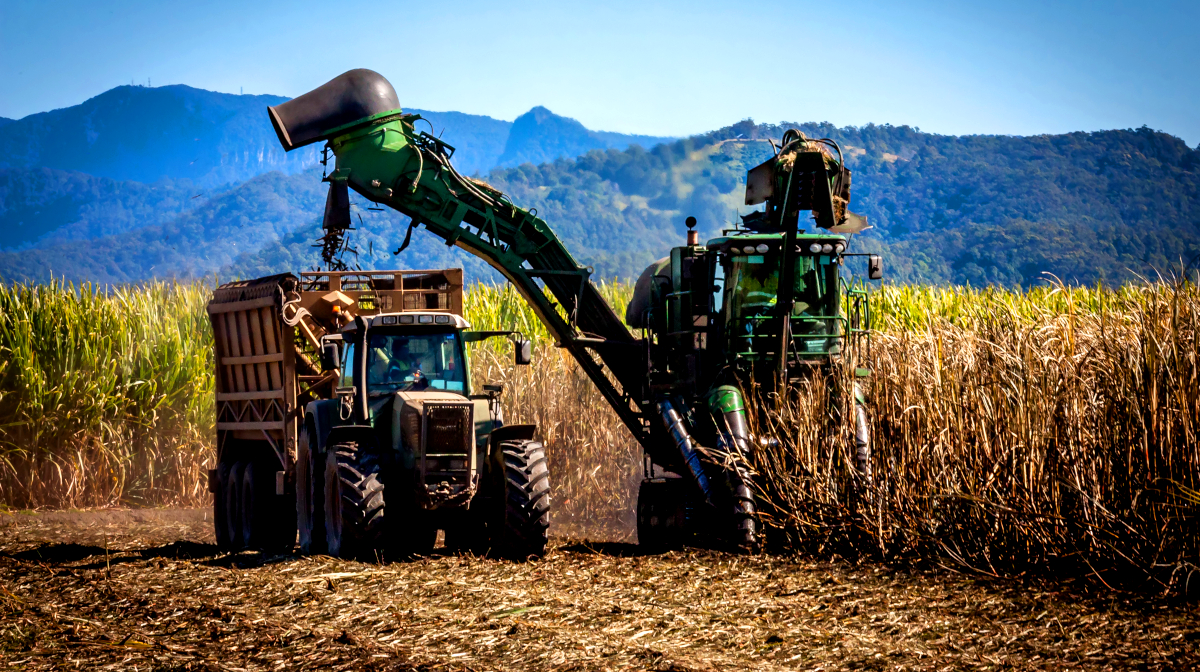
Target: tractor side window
[(347, 379)]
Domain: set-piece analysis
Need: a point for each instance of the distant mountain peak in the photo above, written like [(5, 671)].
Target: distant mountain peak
[(541, 136), (146, 134)]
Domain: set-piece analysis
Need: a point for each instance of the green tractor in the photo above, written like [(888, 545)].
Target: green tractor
[(408, 450), (714, 320)]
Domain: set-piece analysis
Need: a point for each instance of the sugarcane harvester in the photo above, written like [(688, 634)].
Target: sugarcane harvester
[(711, 317)]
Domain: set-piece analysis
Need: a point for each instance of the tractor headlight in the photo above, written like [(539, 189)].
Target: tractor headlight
[(815, 248), (425, 319), (442, 319), (839, 248), (762, 248), (827, 249), (749, 249)]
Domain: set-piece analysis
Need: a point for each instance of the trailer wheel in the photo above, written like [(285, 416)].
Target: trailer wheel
[(233, 507), (266, 523), (354, 503), (310, 497), (661, 514), (220, 523), (250, 508), (526, 501)]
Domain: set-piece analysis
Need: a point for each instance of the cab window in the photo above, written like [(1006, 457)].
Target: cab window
[(400, 362)]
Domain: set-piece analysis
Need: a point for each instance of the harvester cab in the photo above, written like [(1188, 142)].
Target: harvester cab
[(757, 310)]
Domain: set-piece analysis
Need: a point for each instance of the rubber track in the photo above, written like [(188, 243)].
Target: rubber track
[(527, 499)]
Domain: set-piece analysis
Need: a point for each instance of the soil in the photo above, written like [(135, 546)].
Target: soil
[(148, 590)]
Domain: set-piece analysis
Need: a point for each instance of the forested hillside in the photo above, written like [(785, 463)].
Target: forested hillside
[(264, 225), (40, 205), (975, 209), (1086, 207)]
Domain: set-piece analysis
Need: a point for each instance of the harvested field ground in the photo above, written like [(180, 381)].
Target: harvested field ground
[(147, 590)]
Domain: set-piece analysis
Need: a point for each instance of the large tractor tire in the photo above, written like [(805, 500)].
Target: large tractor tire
[(220, 514), (662, 514), (525, 501), (354, 502), (310, 497)]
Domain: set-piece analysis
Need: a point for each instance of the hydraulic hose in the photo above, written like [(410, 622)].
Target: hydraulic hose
[(686, 446)]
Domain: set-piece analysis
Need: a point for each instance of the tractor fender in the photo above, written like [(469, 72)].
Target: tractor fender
[(495, 461), (326, 427)]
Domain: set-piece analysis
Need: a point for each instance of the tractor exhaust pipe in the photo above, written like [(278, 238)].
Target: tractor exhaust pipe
[(352, 96)]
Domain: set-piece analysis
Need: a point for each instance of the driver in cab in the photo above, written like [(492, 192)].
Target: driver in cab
[(398, 366)]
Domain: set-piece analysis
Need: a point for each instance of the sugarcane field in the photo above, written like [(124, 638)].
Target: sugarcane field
[(331, 381)]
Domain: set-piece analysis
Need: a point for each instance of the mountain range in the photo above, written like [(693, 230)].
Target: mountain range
[(178, 182)]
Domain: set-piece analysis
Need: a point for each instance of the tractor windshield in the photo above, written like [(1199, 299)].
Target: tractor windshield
[(408, 361)]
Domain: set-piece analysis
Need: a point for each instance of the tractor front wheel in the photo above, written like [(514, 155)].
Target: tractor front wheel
[(524, 504), (354, 502)]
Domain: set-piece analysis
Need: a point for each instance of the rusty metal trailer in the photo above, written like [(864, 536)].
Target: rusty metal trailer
[(267, 336)]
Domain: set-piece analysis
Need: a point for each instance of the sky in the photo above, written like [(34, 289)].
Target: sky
[(673, 68)]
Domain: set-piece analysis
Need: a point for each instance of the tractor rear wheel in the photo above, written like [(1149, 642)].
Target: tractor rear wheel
[(354, 502), (525, 501), (661, 514), (310, 497)]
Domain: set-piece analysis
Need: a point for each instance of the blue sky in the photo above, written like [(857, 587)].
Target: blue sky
[(1011, 67)]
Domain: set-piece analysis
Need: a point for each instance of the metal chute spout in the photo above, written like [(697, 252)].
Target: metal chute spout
[(343, 100), (686, 446)]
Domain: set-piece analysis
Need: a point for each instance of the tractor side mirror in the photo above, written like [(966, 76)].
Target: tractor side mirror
[(875, 267), (522, 352), (330, 354)]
